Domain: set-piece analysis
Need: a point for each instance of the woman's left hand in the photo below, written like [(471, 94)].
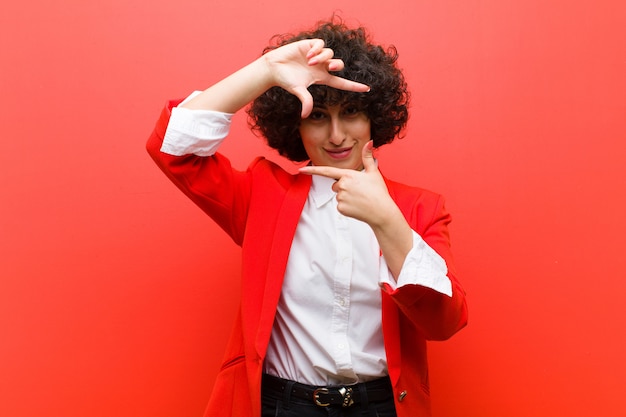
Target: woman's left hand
[(362, 195)]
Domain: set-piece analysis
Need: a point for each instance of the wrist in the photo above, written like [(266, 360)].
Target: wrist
[(261, 68)]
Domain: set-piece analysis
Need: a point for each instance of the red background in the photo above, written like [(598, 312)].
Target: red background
[(117, 294)]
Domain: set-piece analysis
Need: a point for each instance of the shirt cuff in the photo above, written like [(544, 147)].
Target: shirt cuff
[(422, 266), (197, 132)]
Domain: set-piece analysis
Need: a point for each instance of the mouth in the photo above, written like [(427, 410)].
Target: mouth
[(339, 153)]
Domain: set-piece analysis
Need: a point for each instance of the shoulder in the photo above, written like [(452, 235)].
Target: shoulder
[(419, 205), (265, 172), (404, 193)]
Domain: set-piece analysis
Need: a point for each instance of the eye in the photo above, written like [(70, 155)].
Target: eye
[(351, 110), (316, 115)]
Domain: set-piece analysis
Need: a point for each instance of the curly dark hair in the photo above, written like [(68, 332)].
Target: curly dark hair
[(276, 113)]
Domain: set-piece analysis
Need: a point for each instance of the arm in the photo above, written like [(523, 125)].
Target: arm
[(436, 313), (210, 182), (363, 195), (428, 292), (294, 67), (188, 158)]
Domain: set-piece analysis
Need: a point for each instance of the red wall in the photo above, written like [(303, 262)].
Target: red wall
[(117, 294)]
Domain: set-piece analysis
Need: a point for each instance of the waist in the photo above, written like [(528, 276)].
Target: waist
[(327, 396)]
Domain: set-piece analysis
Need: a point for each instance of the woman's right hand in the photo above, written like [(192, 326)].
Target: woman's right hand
[(293, 67), (298, 65)]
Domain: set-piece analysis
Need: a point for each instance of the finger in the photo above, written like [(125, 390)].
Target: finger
[(305, 98), (367, 155), (348, 85), (330, 172), (324, 55), (315, 45), (335, 64)]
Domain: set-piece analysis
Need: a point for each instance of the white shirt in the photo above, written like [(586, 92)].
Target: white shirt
[(328, 326)]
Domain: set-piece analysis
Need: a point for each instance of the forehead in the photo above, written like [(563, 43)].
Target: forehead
[(328, 96), (328, 106), (343, 103)]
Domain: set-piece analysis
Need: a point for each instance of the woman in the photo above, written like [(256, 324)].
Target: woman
[(345, 274)]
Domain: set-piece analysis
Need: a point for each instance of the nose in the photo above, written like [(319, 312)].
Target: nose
[(337, 132)]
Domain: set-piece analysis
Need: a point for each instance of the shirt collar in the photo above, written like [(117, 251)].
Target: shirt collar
[(321, 190)]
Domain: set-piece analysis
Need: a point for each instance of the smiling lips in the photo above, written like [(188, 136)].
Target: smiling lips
[(338, 153)]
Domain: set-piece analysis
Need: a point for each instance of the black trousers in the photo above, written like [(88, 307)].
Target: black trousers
[(281, 403)]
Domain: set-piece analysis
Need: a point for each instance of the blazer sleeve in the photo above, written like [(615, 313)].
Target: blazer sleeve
[(435, 315), (210, 182)]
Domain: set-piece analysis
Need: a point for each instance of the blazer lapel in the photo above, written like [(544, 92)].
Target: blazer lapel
[(288, 217)]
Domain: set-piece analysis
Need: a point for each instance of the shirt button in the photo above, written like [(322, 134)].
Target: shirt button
[(401, 396)]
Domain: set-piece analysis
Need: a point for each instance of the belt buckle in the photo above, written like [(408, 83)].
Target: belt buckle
[(316, 396), (346, 396)]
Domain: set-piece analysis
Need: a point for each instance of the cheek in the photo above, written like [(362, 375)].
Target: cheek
[(364, 130), (310, 136), (308, 143)]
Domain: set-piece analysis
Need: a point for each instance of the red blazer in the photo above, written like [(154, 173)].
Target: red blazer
[(260, 209)]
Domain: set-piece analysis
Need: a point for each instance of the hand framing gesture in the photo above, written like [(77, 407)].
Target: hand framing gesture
[(298, 65)]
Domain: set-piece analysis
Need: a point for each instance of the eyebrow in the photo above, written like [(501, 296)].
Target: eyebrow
[(344, 103)]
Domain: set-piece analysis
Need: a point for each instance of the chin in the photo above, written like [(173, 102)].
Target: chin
[(349, 165)]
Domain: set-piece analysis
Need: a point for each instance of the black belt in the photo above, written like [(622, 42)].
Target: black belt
[(343, 395)]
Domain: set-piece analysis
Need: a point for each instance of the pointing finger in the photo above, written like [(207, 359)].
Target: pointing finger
[(330, 172), (345, 84)]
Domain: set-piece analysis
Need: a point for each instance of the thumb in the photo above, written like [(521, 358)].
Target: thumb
[(305, 98), (367, 155)]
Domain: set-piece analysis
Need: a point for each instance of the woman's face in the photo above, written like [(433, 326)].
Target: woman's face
[(335, 135)]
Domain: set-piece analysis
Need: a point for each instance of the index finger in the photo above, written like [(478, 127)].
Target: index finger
[(325, 171), (347, 85)]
